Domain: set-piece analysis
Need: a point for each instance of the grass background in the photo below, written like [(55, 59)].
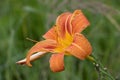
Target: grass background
[(32, 18)]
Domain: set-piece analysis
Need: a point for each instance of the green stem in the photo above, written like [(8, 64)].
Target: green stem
[(100, 68)]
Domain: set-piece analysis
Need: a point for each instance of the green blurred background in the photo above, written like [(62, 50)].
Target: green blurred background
[(20, 19)]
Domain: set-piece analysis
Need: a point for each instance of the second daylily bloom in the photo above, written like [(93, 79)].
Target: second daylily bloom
[(64, 38)]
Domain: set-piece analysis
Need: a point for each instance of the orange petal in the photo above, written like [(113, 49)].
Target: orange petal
[(51, 34), (40, 47), (68, 24), (80, 47), (61, 24), (57, 62), (79, 21)]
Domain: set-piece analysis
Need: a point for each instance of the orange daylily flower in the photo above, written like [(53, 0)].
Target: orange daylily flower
[(64, 38)]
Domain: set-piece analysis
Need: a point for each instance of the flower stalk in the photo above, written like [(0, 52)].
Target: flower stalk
[(102, 71)]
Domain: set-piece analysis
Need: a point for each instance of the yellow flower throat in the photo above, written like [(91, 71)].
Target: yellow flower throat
[(63, 43)]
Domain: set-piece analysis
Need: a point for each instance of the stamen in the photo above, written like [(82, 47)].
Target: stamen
[(32, 40)]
